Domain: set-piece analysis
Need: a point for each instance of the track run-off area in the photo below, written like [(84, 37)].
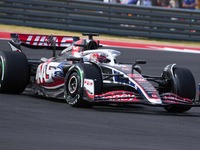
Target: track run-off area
[(35, 123)]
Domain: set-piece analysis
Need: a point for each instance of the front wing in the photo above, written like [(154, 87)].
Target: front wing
[(134, 98)]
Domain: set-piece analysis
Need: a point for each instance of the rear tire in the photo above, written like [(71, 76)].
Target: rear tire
[(14, 72), (184, 86)]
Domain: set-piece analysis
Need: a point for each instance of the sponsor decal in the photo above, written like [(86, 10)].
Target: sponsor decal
[(89, 87), (77, 49), (154, 96), (134, 75), (43, 40), (50, 74), (140, 79), (126, 68), (117, 96)]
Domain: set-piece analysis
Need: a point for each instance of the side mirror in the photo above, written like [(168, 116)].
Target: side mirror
[(138, 62)]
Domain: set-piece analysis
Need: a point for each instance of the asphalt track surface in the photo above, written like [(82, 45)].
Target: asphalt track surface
[(32, 123)]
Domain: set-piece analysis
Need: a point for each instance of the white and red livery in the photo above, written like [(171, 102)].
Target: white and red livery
[(85, 74)]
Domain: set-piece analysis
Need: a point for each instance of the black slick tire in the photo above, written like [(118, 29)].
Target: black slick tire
[(184, 86), (74, 84), (14, 72)]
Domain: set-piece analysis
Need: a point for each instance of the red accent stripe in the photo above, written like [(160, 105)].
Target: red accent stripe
[(90, 96), (114, 92)]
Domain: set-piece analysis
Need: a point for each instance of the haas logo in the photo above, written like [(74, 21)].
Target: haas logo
[(42, 40), (47, 72)]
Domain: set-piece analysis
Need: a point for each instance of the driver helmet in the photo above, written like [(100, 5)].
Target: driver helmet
[(99, 57)]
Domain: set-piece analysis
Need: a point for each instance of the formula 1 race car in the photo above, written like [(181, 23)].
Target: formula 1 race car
[(85, 74)]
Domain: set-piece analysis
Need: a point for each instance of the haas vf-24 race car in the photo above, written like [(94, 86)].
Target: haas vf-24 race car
[(86, 74)]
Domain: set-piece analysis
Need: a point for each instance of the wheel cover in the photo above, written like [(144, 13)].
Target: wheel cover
[(72, 85)]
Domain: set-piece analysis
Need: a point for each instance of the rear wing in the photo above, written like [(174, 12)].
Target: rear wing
[(41, 41)]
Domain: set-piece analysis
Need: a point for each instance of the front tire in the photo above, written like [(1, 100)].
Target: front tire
[(184, 86), (74, 90), (74, 84)]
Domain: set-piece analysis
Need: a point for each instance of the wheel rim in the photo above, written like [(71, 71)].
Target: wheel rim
[(72, 85)]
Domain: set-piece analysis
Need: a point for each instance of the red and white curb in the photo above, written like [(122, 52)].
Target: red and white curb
[(185, 49), (4, 35), (147, 46)]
